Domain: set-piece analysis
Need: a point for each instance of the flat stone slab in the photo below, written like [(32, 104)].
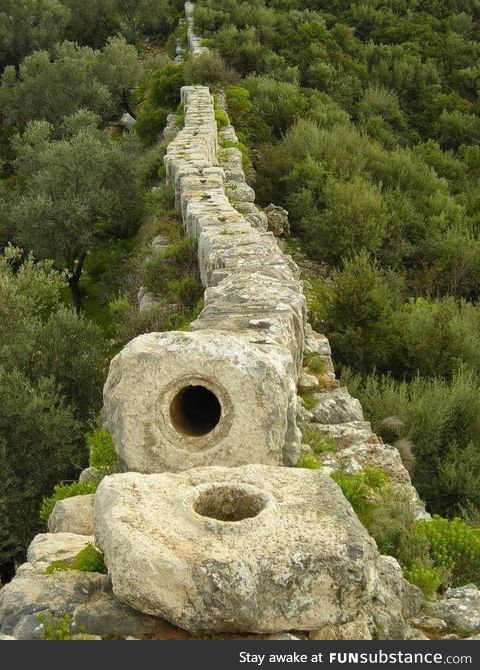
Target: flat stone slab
[(249, 549)]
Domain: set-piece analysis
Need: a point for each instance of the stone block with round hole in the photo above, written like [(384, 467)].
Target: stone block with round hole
[(249, 549), (179, 400)]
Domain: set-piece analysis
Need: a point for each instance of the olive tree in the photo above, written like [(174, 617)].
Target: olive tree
[(27, 25), (77, 190), (51, 374)]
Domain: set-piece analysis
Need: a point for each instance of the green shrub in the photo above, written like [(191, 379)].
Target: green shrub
[(165, 91), (56, 628), (208, 69), (176, 262), (102, 450), (314, 363), (186, 291), (427, 579), (454, 547), (360, 489), (441, 418), (310, 399), (309, 461), (89, 559), (221, 118), (319, 443), (150, 167), (62, 491), (150, 124), (239, 104)]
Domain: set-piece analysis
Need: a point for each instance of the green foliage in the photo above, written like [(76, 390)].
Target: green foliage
[(178, 261), (51, 378), (440, 419), (56, 628), (314, 363), (62, 491), (76, 191), (208, 69), (166, 84), (150, 124), (454, 548), (310, 399), (102, 450), (29, 25), (309, 461), (319, 443), (426, 578), (358, 313), (221, 118), (91, 21), (52, 86), (89, 559), (149, 17), (360, 489)]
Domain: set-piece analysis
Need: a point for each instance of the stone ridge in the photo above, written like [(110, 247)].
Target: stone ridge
[(252, 287), (194, 42)]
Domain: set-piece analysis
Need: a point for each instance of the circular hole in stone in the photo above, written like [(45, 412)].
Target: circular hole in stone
[(195, 411), (229, 503)]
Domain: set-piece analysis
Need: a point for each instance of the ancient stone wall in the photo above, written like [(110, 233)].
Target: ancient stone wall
[(224, 546)]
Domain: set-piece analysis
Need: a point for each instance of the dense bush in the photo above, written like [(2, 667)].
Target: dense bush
[(434, 554), (177, 262), (208, 69), (441, 421), (51, 376), (102, 450)]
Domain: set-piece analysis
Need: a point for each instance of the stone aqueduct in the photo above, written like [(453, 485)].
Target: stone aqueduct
[(209, 528)]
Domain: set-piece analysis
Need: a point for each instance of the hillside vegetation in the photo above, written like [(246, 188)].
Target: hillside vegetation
[(363, 120)]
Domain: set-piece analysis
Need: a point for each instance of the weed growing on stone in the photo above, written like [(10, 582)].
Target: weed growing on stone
[(309, 461), (319, 443), (88, 559)]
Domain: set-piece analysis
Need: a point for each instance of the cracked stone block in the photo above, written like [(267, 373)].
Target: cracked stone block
[(235, 549)]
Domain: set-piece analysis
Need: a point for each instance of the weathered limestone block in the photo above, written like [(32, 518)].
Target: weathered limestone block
[(347, 433), (32, 592), (262, 309), (254, 216), (277, 218), (307, 382), (90, 474), (316, 343), (194, 42), (178, 400), (254, 549), (104, 614), (363, 454), (460, 608), (353, 630), (72, 515), (337, 406), (49, 547), (127, 121), (395, 601), (4, 638)]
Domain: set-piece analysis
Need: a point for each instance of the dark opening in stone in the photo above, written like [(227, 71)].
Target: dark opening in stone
[(229, 503), (195, 411)]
